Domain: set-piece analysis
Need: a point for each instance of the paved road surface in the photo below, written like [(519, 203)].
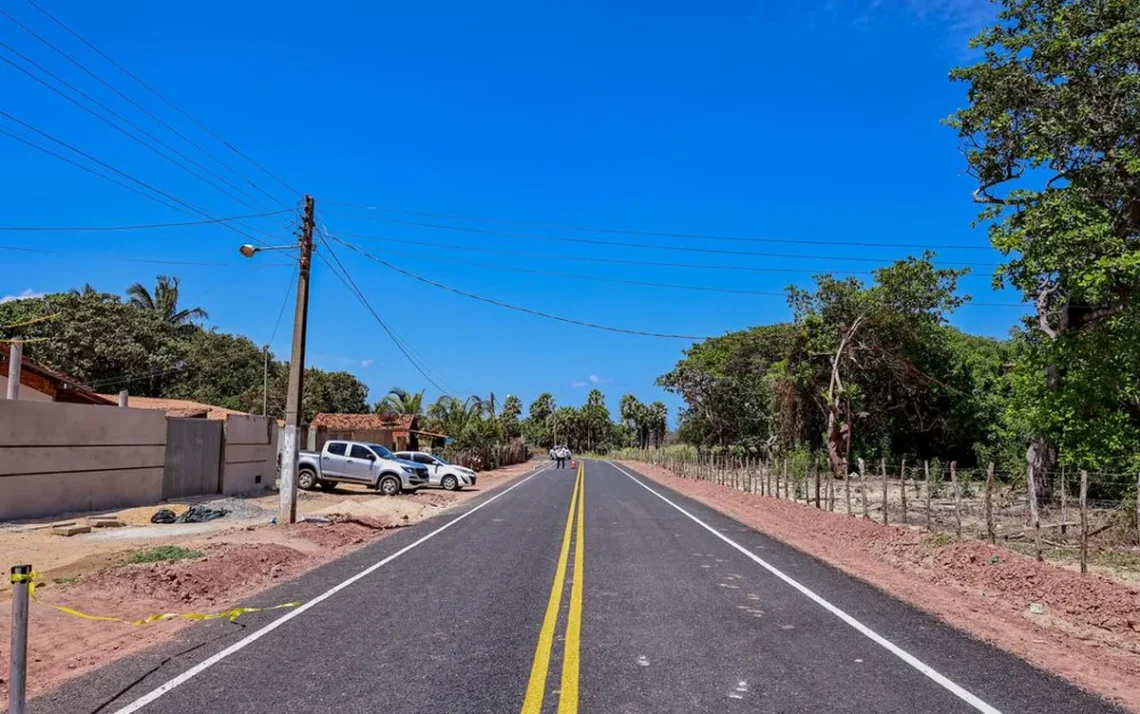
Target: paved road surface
[(602, 593)]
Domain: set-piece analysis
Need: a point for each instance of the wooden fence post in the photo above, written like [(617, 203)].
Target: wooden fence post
[(863, 486), (1034, 515), (957, 499), (990, 504), (883, 471), (830, 490), (926, 470), (1064, 504), (817, 481), (847, 488), (1084, 521), (1138, 508), (902, 477), (784, 467)]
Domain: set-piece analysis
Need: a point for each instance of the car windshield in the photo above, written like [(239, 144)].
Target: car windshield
[(381, 451)]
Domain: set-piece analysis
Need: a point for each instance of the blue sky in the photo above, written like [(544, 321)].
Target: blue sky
[(788, 121)]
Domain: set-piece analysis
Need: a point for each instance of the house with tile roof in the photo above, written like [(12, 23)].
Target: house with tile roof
[(398, 432), (39, 383)]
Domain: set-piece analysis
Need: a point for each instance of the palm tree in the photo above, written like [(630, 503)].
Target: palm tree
[(88, 291), (164, 301), (401, 401)]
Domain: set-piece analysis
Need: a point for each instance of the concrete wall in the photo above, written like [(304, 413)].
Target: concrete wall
[(60, 458), (26, 392), (249, 453)]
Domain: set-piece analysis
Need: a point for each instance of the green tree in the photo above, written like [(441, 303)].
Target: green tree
[(658, 421), (401, 401), (220, 369), (509, 417), (164, 301), (1052, 137), (538, 426)]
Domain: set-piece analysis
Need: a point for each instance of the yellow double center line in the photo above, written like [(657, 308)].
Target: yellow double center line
[(536, 687)]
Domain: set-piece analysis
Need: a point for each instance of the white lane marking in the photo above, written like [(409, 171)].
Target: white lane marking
[(251, 638), (875, 637)]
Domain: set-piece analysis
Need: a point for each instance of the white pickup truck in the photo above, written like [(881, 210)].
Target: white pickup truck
[(359, 462)]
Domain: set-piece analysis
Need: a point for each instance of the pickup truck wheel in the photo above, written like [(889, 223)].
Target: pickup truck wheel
[(450, 483), (306, 479), (390, 486)]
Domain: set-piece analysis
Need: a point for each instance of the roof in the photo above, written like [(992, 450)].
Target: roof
[(363, 422), (179, 408), (41, 378)]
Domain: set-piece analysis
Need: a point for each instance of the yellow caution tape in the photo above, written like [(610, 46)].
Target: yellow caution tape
[(231, 615), (33, 321)]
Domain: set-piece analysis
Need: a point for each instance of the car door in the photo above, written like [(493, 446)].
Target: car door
[(334, 458), (435, 471), (358, 466)]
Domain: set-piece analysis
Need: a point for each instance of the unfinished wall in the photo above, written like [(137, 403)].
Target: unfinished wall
[(60, 458), (249, 453)]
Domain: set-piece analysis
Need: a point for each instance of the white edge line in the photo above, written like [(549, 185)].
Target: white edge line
[(253, 637), (875, 637)]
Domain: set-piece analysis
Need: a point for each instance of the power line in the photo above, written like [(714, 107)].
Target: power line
[(612, 261), (123, 119), (517, 308), (134, 103), (143, 261), (124, 174), (169, 103), (92, 171), (659, 234), (650, 246), (142, 226), (356, 292), (284, 303), (643, 283)]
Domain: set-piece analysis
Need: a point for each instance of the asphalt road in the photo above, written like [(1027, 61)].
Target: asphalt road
[(601, 593)]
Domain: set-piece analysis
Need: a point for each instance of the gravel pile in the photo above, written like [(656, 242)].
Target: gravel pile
[(237, 508)]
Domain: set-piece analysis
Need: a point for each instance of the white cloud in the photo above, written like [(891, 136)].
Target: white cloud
[(366, 363), (595, 379), (25, 295), (578, 385)]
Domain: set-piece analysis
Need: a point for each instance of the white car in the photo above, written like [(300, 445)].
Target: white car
[(440, 472)]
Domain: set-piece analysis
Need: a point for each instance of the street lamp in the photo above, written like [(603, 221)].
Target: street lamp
[(249, 250)]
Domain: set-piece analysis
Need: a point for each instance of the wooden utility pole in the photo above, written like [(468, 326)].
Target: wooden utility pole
[(287, 508), (265, 384), (15, 360)]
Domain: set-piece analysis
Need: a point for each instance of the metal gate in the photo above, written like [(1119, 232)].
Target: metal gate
[(193, 458)]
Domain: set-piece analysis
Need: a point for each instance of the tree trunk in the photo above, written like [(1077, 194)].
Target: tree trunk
[(1042, 458)]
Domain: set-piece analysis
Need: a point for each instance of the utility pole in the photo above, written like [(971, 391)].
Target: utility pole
[(265, 385), (15, 362), (287, 508)]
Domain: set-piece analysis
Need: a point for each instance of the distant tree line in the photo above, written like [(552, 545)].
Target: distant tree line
[(152, 346)]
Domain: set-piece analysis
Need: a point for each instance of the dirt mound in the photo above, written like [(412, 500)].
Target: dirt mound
[(208, 579), (1087, 600), (340, 531)]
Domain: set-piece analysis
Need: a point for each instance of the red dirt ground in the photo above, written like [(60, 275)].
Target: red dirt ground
[(1089, 632)]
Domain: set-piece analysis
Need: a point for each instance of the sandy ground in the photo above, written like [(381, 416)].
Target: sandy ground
[(1088, 630), (241, 557)]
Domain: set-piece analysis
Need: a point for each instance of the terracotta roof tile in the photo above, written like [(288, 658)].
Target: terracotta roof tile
[(180, 408), (351, 422)]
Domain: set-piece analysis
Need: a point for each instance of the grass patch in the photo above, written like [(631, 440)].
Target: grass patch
[(163, 553), (65, 581), (940, 539), (1121, 560)]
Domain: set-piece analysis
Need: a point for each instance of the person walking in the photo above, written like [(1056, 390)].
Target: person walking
[(560, 453)]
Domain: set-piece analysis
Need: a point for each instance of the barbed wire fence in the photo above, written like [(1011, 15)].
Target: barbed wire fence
[(1063, 509)]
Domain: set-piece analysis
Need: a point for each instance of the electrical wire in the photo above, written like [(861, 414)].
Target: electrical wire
[(650, 246), (141, 226), (659, 234), (169, 103), (359, 295), (146, 261), (124, 120), (134, 103), (517, 308), (124, 174), (612, 261), (284, 303)]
